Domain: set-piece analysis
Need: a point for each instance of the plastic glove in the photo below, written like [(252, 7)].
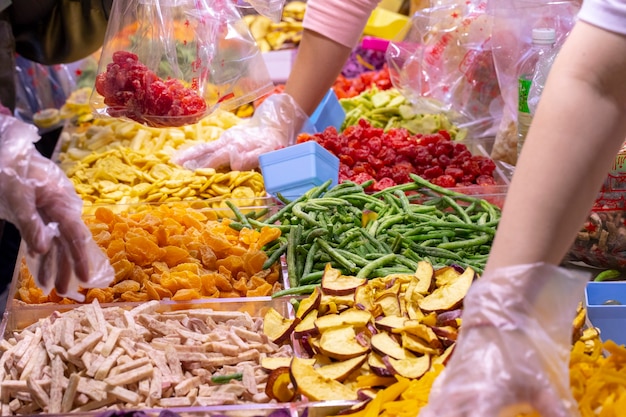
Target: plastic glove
[(274, 125), (39, 199), (513, 347)]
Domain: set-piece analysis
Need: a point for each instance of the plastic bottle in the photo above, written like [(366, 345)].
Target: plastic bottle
[(543, 41)]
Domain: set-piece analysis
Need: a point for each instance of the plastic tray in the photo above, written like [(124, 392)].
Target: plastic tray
[(609, 318)]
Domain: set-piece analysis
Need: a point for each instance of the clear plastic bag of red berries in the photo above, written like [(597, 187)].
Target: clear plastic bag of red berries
[(167, 63)]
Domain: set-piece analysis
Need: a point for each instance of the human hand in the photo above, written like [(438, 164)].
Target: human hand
[(39, 199), (274, 125), (512, 355)]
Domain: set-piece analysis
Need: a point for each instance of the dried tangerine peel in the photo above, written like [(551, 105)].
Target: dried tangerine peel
[(172, 251)]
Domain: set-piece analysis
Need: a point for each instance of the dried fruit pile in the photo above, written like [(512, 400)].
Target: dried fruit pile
[(347, 87), (354, 337), (369, 153), (132, 90), (175, 252)]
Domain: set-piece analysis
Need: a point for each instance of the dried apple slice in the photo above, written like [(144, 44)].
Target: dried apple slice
[(412, 368), (312, 302), (314, 386), (339, 371), (449, 295), (273, 362), (445, 275), (353, 317), (279, 386), (424, 275), (417, 345), (376, 364), (276, 327), (385, 345), (445, 356), (306, 326), (389, 323), (389, 303), (335, 303), (341, 343), (334, 283), (420, 330)]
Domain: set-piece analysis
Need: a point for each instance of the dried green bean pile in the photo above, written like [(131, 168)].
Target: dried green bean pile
[(374, 235)]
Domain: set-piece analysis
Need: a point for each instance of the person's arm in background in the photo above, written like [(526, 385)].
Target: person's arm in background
[(513, 349), (579, 127), (332, 29)]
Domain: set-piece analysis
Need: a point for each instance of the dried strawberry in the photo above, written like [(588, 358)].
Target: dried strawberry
[(132, 90)]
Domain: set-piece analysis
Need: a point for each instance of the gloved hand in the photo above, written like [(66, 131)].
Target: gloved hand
[(513, 347), (39, 199), (274, 125)]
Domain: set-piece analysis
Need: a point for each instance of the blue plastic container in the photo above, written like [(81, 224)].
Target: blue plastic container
[(294, 170), (610, 319), (328, 113)]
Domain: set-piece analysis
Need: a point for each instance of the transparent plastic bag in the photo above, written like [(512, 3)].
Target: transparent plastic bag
[(443, 64), (268, 8), (172, 62), (513, 22)]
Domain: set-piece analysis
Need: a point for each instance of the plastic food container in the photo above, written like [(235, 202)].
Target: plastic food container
[(17, 319), (328, 113), (294, 170), (606, 309)]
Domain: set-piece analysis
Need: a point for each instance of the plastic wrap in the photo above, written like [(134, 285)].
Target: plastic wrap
[(170, 63), (443, 63), (512, 354), (37, 197), (514, 21), (268, 8)]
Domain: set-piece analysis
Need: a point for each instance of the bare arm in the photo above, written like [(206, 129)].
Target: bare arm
[(317, 65), (579, 127), (332, 29)]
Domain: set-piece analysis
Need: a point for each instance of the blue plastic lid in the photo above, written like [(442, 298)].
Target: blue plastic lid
[(294, 151)]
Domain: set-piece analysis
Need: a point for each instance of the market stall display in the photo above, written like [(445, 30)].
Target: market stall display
[(172, 251), (342, 300)]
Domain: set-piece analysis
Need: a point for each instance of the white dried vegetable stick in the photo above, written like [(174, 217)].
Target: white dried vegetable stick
[(95, 390), (39, 395), (85, 344), (108, 363), (66, 336), (34, 367), (110, 341), (156, 387), (174, 402), (70, 393), (184, 387), (94, 315), (128, 377), (56, 388), (124, 394), (28, 349), (5, 345), (129, 366)]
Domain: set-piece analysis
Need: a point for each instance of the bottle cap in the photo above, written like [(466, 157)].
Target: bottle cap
[(544, 36)]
